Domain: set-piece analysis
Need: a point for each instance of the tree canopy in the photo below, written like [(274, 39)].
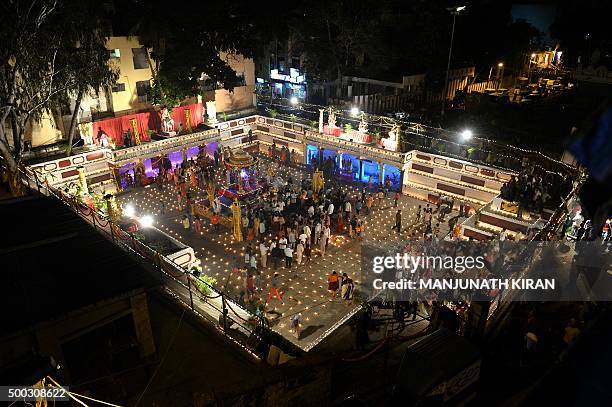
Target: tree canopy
[(48, 50), (187, 46)]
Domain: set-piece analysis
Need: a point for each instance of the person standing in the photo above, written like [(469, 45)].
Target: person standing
[(396, 198), (333, 284), (262, 229), (277, 253), (317, 233), (299, 251), (330, 209), (186, 224), (295, 325), (369, 203), (348, 209), (263, 251), (197, 225), (274, 292), (353, 227), (215, 221), (398, 221), (347, 288), (322, 243), (307, 252), (288, 257)]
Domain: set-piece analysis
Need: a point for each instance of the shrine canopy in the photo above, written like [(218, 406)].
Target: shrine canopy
[(115, 127), (240, 159)]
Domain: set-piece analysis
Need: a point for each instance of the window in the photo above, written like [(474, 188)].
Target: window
[(241, 80), (139, 56), (115, 53), (142, 90), (119, 87)]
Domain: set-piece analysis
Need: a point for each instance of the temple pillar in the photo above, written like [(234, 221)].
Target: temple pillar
[(360, 169), (83, 181), (320, 157), (116, 177), (381, 171), (321, 120), (184, 155)]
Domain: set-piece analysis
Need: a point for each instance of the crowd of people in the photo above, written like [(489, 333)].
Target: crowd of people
[(533, 190)]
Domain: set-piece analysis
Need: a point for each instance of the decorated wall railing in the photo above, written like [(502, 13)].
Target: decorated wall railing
[(153, 148), (360, 150)]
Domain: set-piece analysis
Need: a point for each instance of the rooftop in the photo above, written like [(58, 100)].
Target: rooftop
[(54, 262)]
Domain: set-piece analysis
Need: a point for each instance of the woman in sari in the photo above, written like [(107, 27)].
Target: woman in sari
[(333, 284), (340, 228), (347, 287)]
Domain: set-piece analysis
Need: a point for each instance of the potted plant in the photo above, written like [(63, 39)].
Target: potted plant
[(205, 284)]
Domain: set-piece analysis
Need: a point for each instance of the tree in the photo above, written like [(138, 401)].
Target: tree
[(46, 54), (188, 50), (33, 73), (335, 35), (89, 62)]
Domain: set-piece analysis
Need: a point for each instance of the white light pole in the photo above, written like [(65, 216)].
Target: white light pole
[(529, 69), (454, 12), (500, 74)]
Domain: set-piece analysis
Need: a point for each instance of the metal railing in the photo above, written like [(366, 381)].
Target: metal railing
[(236, 323)]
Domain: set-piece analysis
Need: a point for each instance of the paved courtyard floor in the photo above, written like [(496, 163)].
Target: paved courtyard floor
[(304, 286)]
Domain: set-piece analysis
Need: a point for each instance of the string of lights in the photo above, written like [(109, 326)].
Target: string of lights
[(383, 121)]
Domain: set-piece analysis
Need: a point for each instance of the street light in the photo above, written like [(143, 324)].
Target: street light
[(293, 100), (454, 12), (129, 211), (533, 55), (355, 111), (146, 221), (466, 135), (500, 74)]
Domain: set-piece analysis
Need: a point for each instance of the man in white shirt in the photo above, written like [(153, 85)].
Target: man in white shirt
[(303, 236), (282, 243), (330, 209), (327, 235), (311, 211), (263, 250), (288, 257), (348, 209)]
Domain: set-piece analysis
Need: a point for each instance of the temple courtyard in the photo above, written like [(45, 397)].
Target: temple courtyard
[(304, 287)]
